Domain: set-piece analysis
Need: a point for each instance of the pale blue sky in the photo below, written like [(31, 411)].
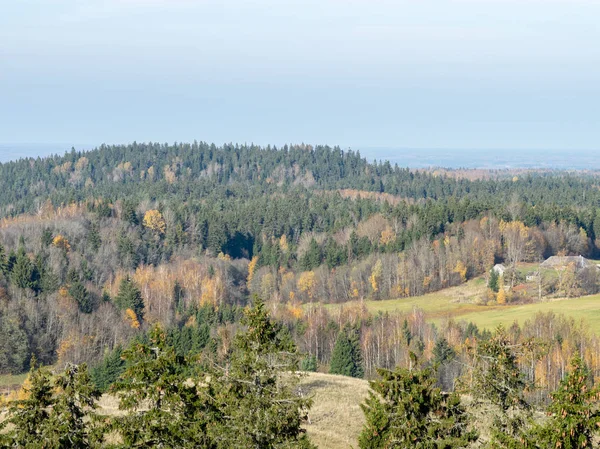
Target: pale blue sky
[(359, 73)]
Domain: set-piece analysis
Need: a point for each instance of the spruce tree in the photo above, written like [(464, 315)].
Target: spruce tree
[(73, 423), (405, 410), (165, 408), (29, 416), (493, 281), (346, 358), (442, 352), (22, 274), (575, 417), (109, 369), (80, 294), (130, 297), (497, 379), (309, 363), (257, 393), (3, 260)]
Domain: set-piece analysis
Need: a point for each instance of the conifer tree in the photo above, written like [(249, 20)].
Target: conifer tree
[(129, 296), (442, 352), (3, 260), (346, 358), (405, 410), (165, 408), (493, 281), (22, 274), (575, 417), (29, 416), (497, 379), (309, 363), (80, 294), (73, 423), (257, 392), (109, 370)]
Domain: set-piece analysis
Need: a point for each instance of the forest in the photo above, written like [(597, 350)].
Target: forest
[(107, 255)]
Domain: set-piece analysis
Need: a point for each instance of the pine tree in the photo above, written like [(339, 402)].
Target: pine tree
[(405, 410), (93, 238), (346, 358), (575, 417), (260, 407), (129, 296)]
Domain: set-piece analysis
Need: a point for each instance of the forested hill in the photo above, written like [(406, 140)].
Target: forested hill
[(161, 171)]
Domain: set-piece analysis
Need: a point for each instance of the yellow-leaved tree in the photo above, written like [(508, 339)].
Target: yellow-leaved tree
[(61, 242), (501, 297), (154, 221)]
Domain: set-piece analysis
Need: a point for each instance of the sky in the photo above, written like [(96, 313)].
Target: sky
[(476, 74)]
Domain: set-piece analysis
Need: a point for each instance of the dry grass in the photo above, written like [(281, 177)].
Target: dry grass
[(336, 418)]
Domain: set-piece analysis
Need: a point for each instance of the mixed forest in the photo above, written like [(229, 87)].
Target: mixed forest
[(200, 281)]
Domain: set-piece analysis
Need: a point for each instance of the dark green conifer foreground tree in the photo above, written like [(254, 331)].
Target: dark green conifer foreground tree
[(496, 379), (54, 415), (29, 416), (165, 407), (257, 396), (405, 410), (575, 417)]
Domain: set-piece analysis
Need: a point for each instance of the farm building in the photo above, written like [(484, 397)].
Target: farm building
[(499, 269), (579, 262)]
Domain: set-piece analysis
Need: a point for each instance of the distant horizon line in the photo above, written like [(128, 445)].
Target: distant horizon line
[(343, 147)]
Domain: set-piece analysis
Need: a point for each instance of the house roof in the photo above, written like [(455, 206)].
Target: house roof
[(563, 261)]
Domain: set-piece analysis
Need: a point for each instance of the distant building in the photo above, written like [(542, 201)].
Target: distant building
[(530, 277), (579, 262), (499, 269)]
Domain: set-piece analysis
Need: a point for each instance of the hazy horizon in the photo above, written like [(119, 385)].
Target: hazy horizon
[(489, 158), (386, 73)]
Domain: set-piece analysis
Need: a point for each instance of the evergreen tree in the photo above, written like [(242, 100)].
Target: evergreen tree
[(496, 378), (29, 417), (3, 260), (72, 422), (23, 273), (165, 408), (346, 358), (80, 294), (47, 237), (493, 281), (15, 347), (129, 296), (309, 363), (442, 352), (575, 417), (109, 369), (404, 410), (93, 238), (259, 406)]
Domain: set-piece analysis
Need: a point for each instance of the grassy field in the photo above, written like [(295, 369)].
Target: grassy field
[(7, 380), (461, 303)]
